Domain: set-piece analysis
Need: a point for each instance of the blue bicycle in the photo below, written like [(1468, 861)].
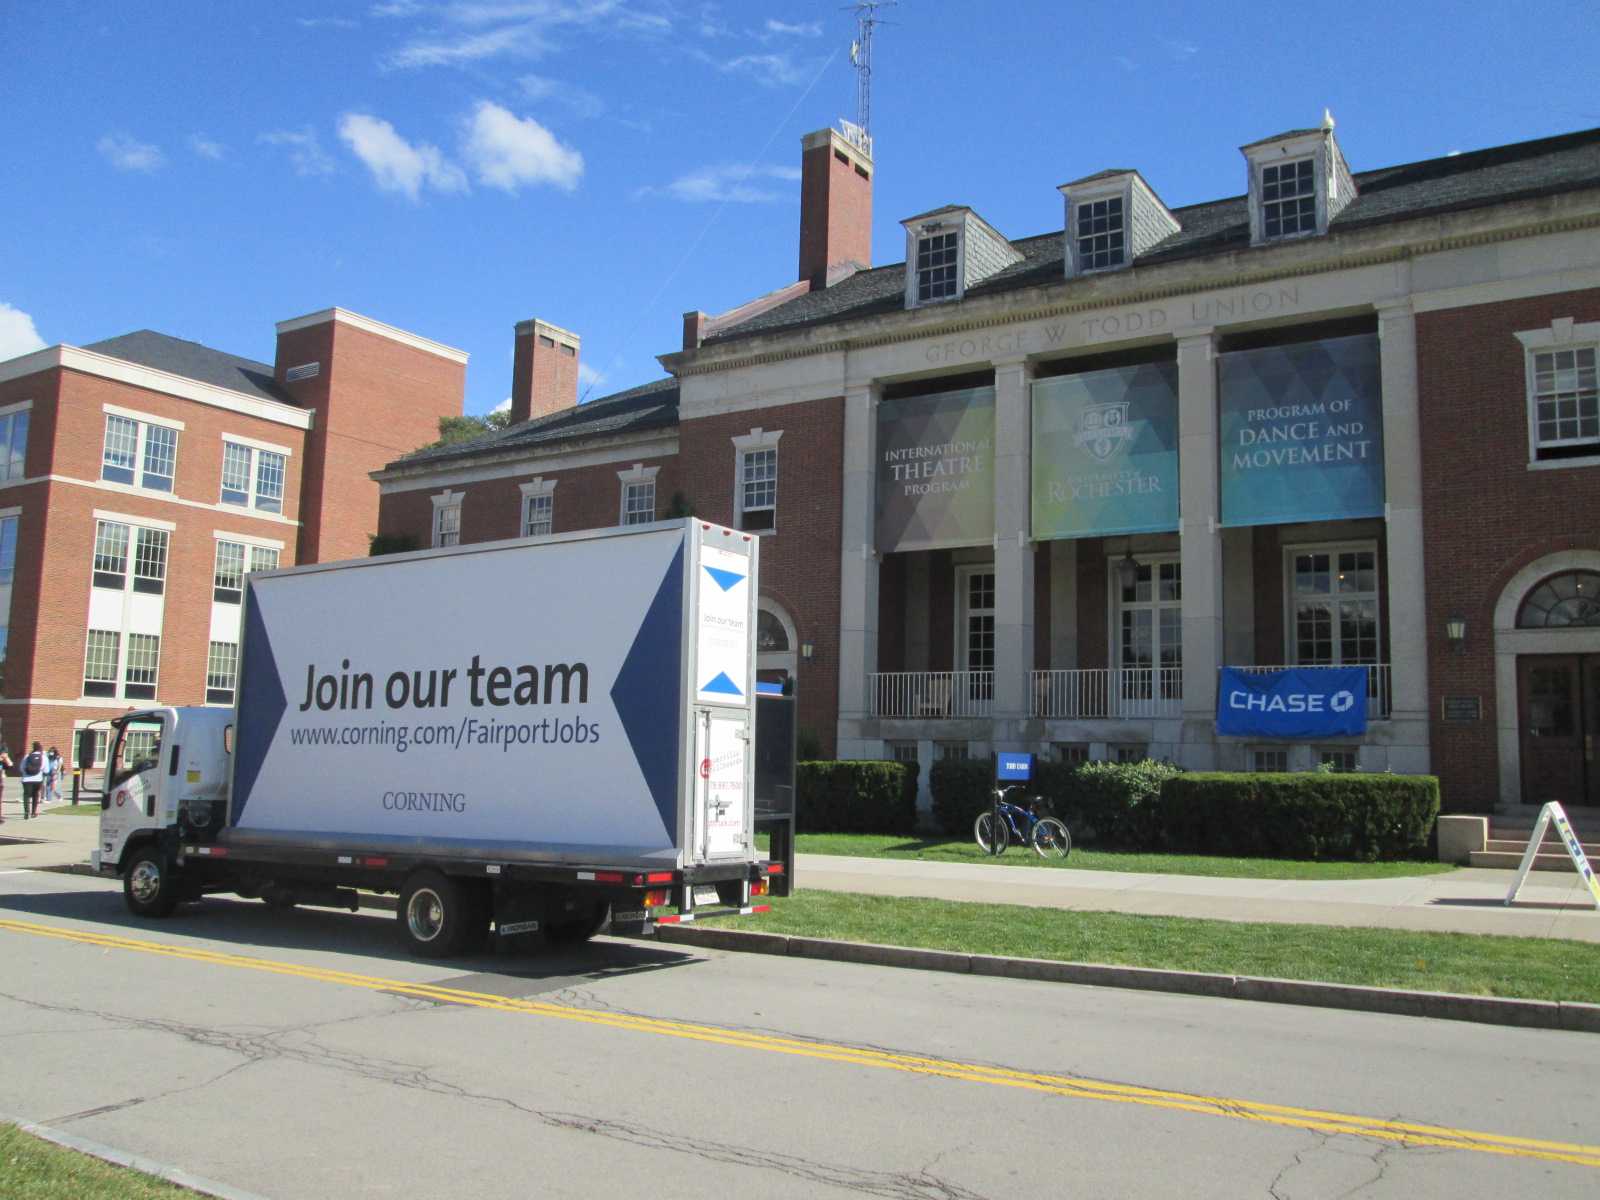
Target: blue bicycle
[(1022, 824)]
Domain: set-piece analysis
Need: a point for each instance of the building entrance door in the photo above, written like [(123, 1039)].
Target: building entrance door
[(1558, 702)]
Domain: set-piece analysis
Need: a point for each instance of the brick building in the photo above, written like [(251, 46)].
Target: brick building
[(145, 476), (1037, 493)]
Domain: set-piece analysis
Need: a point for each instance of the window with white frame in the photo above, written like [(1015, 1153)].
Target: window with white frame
[(117, 545), (222, 672), (902, 751), (1340, 760), (1289, 198), (957, 750), (975, 635), (639, 502), (1269, 761), (1073, 753), (1150, 629), (139, 453), (1129, 752), (234, 560), (8, 570), (102, 658), (758, 489), (253, 477), (1334, 605), (143, 662), (1565, 400), (1101, 234), (13, 446), (538, 514), (447, 519), (938, 257)]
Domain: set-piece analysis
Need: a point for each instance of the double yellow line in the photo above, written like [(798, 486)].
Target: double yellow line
[(1406, 1133)]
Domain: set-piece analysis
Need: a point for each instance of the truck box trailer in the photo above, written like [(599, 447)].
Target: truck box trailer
[(531, 734)]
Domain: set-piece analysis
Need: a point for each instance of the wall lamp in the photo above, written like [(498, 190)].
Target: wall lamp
[(1128, 571), (1455, 632), (808, 650)]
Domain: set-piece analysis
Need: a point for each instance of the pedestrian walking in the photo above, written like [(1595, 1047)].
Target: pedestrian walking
[(33, 763), (5, 765), (52, 775)]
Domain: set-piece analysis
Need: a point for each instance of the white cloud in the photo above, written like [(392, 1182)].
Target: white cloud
[(769, 70), (454, 51), (124, 152), (395, 163), (17, 334), (204, 146), (588, 376), (508, 151), (580, 102), (503, 406), (731, 182), (397, 8), (471, 30), (779, 29), (305, 150)]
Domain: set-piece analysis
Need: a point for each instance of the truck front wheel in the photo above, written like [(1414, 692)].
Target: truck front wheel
[(149, 885), (438, 915)]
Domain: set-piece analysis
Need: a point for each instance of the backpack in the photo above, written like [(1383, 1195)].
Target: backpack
[(33, 763)]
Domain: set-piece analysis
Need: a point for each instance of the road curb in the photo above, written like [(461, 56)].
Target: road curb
[(1445, 1006), (122, 1158)]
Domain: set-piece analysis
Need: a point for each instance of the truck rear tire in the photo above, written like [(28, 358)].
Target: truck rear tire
[(570, 929), (439, 915), (149, 885)]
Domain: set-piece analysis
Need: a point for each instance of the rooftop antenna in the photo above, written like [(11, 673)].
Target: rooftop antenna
[(859, 134)]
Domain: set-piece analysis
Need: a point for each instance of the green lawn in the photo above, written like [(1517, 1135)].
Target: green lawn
[(34, 1169), (935, 848), (91, 809), (1475, 964)]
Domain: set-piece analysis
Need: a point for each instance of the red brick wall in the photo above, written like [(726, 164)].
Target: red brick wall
[(376, 399), (1094, 647), (1485, 514), (835, 214), (941, 610), (800, 561), (1041, 606), (892, 613), (544, 379), (1266, 554)]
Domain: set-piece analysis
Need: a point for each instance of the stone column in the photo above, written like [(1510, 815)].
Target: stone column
[(1013, 548), (1402, 482), (1200, 545), (858, 574)]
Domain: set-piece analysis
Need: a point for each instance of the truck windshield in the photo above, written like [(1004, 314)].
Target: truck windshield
[(138, 749)]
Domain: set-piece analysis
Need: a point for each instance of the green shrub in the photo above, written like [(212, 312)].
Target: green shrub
[(1350, 818), (961, 788), (856, 797), (392, 543), (1122, 801)]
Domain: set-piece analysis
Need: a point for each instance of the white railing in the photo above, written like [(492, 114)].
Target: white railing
[(1379, 698), (1128, 692), (931, 694)]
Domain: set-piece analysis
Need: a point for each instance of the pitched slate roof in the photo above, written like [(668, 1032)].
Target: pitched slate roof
[(1523, 170), (194, 361), (649, 406)]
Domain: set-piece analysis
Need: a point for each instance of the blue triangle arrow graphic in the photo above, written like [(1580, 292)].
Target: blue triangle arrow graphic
[(725, 579), (722, 684)]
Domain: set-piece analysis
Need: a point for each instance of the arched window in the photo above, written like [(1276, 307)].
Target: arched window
[(771, 636), (1569, 599)]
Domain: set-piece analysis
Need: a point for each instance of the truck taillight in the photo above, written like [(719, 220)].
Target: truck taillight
[(655, 899), (758, 887)]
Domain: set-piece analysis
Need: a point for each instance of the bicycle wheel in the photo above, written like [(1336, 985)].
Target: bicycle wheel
[(1051, 839), (988, 832)]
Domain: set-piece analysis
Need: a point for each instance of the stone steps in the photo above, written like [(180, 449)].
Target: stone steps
[(1508, 842)]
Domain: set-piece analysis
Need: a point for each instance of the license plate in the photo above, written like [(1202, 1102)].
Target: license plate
[(706, 894)]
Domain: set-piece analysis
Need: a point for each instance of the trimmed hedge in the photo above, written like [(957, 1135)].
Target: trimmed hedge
[(1120, 801), (856, 797), (1351, 818)]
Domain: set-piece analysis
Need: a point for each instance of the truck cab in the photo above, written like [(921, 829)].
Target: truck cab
[(167, 778)]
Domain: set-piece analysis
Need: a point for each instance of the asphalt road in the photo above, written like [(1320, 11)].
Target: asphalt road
[(300, 1056)]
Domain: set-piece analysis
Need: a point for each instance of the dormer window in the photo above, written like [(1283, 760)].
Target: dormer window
[(1299, 183), (1102, 236), (1112, 218), (1289, 198), (950, 250), (937, 278)]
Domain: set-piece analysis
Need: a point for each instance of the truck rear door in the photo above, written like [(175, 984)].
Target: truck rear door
[(724, 714)]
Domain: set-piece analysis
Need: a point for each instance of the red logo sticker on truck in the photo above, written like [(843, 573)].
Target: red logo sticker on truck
[(705, 770), (122, 798)]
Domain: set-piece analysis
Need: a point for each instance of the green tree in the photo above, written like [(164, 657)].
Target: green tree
[(464, 428)]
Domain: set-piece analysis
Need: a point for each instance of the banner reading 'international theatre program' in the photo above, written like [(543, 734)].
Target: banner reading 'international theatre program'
[(1105, 452), (1302, 432), (936, 471)]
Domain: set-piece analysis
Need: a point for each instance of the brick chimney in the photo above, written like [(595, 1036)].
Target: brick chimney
[(544, 370), (835, 207)]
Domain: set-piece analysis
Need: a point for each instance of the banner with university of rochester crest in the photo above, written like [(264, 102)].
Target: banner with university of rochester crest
[(935, 471), (1105, 452)]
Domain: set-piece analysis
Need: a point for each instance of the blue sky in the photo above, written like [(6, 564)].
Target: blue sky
[(208, 167)]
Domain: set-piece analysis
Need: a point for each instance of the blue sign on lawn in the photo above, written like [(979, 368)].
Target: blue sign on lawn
[(1300, 703), (1014, 766)]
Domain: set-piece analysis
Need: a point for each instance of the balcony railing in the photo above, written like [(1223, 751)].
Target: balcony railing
[(932, 694), (1379, 698), (1128, 692)]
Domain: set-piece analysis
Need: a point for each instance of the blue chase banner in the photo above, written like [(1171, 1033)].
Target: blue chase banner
[(1299, 703)]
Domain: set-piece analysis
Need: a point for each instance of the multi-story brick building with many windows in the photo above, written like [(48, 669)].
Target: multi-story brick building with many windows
[(1039, 493), (145, 476)]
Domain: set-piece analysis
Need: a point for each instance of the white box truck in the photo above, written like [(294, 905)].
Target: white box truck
[(530, 735)]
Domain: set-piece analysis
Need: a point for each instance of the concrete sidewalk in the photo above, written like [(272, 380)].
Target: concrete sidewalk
[(1552, 904)]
